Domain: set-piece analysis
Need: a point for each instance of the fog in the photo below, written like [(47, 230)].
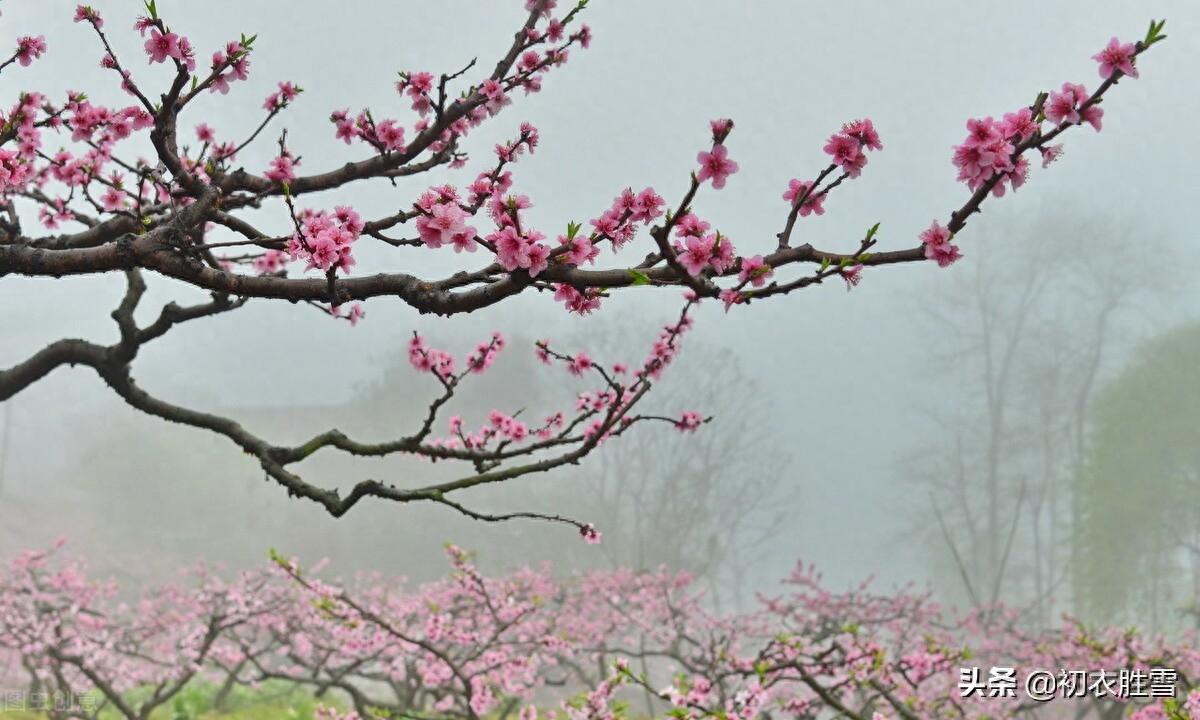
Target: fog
[(833, 405)]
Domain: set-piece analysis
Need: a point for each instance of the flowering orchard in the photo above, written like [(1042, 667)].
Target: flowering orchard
[(79, 200), (601, 645)]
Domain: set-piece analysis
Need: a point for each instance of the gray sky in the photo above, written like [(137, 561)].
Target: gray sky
[(844, 369)]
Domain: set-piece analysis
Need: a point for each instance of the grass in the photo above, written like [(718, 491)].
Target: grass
[(271, 701)]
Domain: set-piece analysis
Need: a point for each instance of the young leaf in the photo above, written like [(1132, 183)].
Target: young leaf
[(638, 278)]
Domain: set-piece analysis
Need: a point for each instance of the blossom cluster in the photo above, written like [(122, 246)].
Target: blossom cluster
[(543, 646), (325, 240), (446, 108)]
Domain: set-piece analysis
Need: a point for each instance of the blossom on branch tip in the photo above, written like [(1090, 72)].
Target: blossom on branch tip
[(846, 153), (863, 131), (286, 93), (282, 168), (86, 12), (590, 534), (1117, 57), (720, 129), (30, 48), (689, 421), (813, 203)]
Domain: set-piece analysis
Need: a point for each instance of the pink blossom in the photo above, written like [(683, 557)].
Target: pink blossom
[(1092, 115), (442, 224), (697, 252), (723, 254), (852, 275), (935, 235), (1050, 154), (846, 153), (511, 248), (813, 203), (1063, 106), (159, 47), (982, 132), (30, 48), (730, 298), (581, 251), (86, 12), (113, 199), (944, 253), (582, 303), (539, 258), (270, 262), (497, 99), (1117, 57), (1019, 125), (755, 271), (715, 165), (579, 364), (863, 131), (689, 422), (720, 129), (590, 534), (647, 206), (938, 246), (689, 224), (13, 170), (282, 169)]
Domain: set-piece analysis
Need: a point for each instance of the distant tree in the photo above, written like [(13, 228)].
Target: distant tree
[(1021, 339), (1137, 494)]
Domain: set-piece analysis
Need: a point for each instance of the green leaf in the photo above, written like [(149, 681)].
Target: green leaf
[(150, 8), (638, 278), (874, 229), (573, 229), (1155, 32)]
